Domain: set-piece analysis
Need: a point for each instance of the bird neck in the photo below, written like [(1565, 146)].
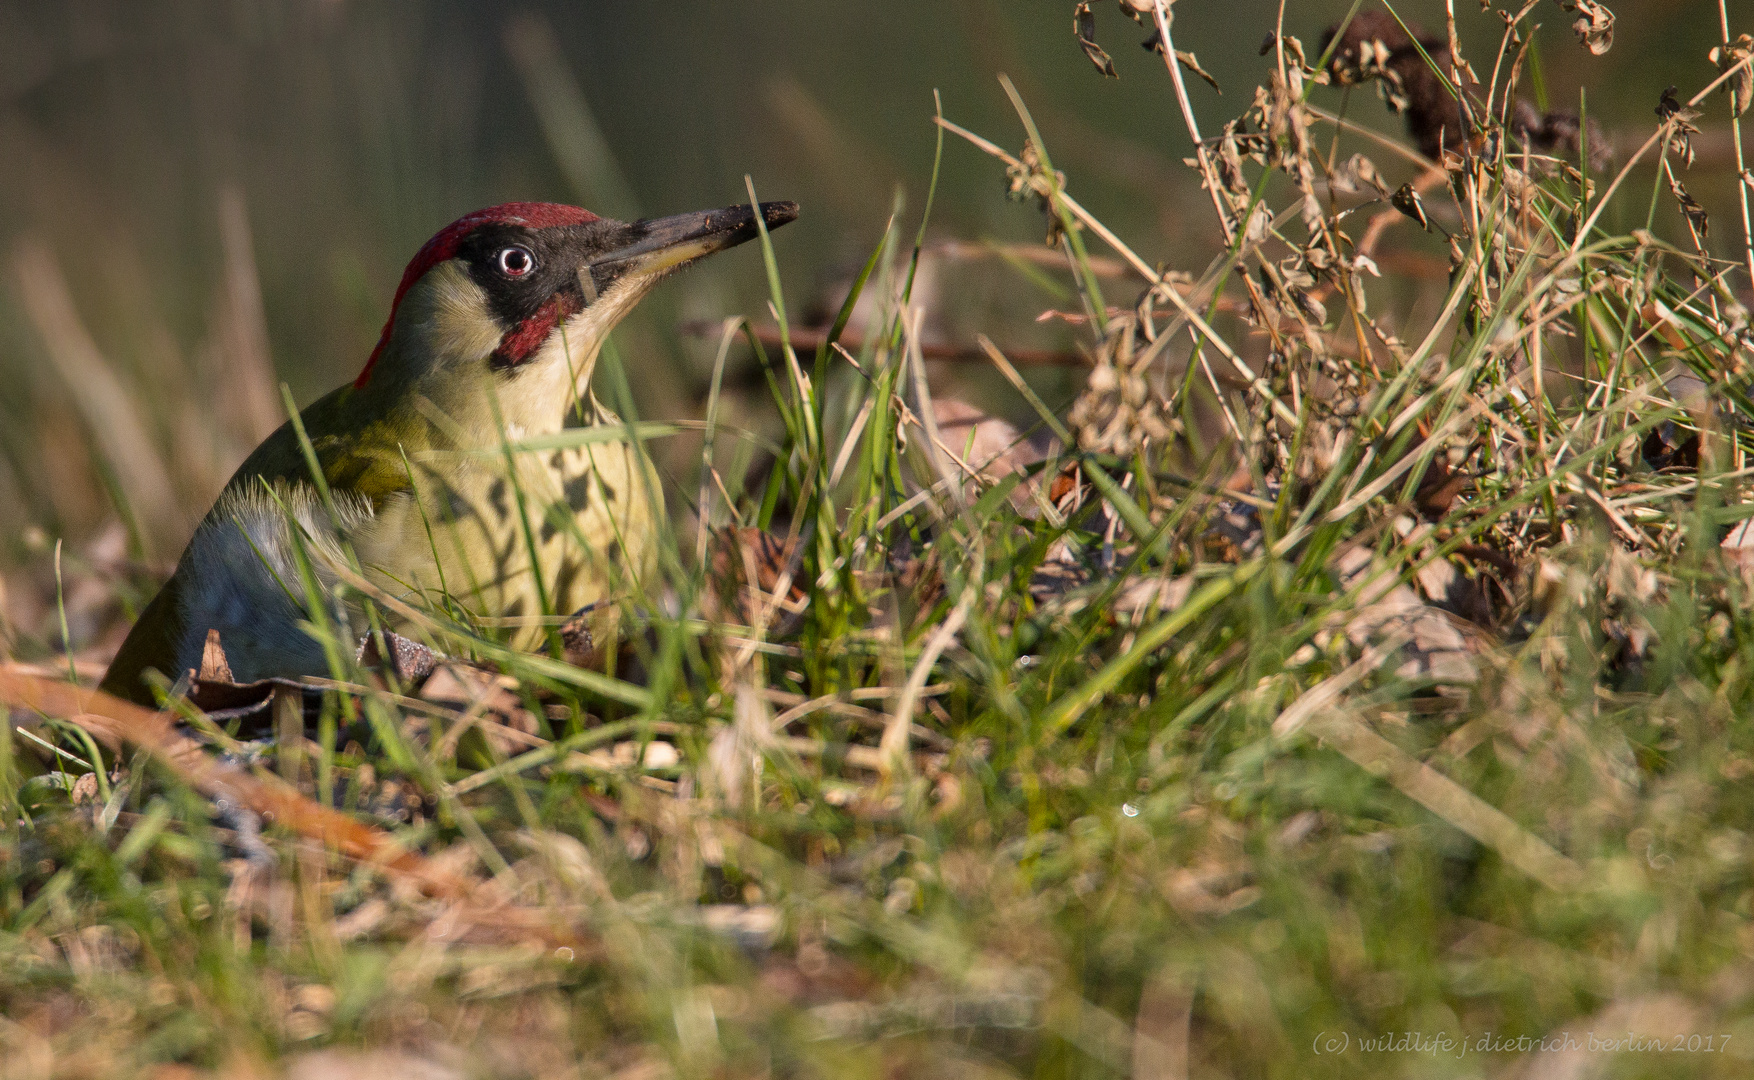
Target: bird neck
[(436, 371)]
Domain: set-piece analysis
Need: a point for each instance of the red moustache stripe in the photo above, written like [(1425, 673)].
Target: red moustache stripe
[(517, 345)]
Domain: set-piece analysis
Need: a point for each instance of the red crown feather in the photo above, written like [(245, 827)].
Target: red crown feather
[(532, 215)]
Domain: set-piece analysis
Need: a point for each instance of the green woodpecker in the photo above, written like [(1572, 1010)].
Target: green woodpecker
[(491, 340)]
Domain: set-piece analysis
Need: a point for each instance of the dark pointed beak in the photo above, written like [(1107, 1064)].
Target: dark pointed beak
[(656, 245)]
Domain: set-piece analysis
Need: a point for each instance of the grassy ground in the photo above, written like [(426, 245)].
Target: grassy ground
[(1344, 692)]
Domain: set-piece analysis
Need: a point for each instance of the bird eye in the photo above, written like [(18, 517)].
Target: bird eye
[(516, 261)]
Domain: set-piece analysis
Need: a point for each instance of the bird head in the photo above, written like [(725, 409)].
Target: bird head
[(517, 300)]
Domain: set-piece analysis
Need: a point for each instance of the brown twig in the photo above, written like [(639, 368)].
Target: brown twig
[(114, 722), (807, 337)]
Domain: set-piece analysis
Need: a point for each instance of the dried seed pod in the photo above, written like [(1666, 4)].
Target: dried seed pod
[(1363, 49), (1407, 201), (1363, 171), (1697, 220), (1741, 84), (1681, 126), (1594, 25), (1119, 411), (1084, 26), (1562, 134), (1405, 68)]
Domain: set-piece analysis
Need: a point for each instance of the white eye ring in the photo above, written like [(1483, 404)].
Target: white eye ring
[(516, 261)]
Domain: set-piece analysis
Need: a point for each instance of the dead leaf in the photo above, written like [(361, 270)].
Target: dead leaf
[(409, 659), (1738, 546), (748, 565), (490, 699), (1141, 598), (990, 445), (1188, 60), (576, 639), (1439, 488), (1360, 172), (214, 666), (340, 1064)]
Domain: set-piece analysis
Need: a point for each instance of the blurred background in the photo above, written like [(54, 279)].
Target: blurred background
[(201, 199)]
